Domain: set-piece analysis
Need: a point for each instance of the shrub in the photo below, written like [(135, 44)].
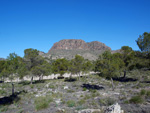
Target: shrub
[(80, 107), (107, 101), (84, 89), (2, 92), (42, 102), (87, 97), (148, 93), (31, 86), (143, 92), (136, 100), (52, 86), (70, 91), (71, 103), (110, 101), (93, 90), (82, 101)]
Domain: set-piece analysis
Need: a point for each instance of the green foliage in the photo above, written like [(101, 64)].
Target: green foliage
[(133, 61), (144, 42), (87, 66), (32, 58), (42, 102), (81, 102), (126, 49), (148, 93), (30, 53), (60, 66), (107, 101), (12, 65), (143, 92), (22, 69), (109, 64), (2, 92), (136, 99), (71, 103), (43, 69), (2, 65), (84, 89), (76, 65)]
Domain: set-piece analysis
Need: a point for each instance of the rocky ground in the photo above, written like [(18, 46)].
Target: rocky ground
[(91, 93)]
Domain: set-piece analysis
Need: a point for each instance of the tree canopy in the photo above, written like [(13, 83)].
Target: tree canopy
[(143, 42)]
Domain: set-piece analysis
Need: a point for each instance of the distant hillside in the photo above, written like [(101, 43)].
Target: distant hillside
[(2, 59), (68, 48)]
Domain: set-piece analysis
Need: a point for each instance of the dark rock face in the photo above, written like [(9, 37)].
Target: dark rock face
[(74, 44)]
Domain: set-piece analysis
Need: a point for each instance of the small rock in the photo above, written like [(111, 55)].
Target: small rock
[(115, 108), (58, 101), (47, 85), (61, 110), (65, 87), (89, 110)]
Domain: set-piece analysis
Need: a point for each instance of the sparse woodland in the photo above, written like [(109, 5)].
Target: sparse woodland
[(122, 77)]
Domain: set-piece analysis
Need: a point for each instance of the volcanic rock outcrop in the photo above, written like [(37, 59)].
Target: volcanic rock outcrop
[(74, 44), (68, 48)]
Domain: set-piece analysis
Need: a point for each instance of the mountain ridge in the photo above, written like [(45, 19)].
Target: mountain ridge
[(78, 44), (68, 48)]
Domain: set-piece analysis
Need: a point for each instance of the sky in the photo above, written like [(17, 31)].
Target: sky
[(39, 24)]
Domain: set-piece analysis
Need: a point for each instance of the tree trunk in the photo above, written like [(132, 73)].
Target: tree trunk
[(12, 88), (124, 74), (112, 84), (79, 76), (39, 78), (31, 79), (42, 77), (70, 75)]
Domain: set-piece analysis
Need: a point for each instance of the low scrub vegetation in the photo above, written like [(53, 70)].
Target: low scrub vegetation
[(42, 102), (136, 99)]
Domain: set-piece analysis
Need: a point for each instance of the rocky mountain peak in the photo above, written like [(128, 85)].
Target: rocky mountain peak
[(68, 48), (95, 45), (69, 44), (78, 44)]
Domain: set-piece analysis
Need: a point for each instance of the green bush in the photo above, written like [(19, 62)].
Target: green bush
[(31, 86), (80, 107), (87, 97), (82, 101), (143, 92), (148, 93), (42, 102), (71, 103), (107, 101), (93, 90), (136, 100), (84, 89), (52, 86), (2, 92), (3, 109), (110, 101)]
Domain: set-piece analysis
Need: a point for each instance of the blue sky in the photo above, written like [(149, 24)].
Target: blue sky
[(40, 23)]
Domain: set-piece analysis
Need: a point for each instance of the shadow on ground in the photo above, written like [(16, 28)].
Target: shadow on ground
[(34, 82), (122, 79), (94, 87), (1, 81), (10, 99), (70, 79), (145, 82)]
